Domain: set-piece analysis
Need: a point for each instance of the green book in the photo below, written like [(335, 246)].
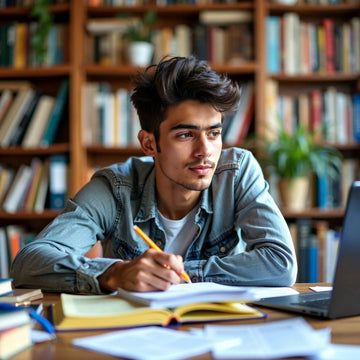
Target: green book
[(56, 114)]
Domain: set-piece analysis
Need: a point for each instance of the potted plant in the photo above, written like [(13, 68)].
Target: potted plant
[(40, 11), (140, 47), (293, 158)]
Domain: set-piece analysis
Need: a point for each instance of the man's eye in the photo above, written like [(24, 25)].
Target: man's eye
[(215, 133), (184, 135)]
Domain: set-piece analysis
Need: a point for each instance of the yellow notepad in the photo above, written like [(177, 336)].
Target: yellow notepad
[(92, 312)]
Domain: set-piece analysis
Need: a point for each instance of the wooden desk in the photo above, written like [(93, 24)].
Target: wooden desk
[(343, 331)]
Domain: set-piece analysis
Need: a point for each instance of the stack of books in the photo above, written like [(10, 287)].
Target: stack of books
[(15, 328)]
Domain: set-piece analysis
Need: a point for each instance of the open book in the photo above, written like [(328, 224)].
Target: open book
[(93, 312), (182, 294)]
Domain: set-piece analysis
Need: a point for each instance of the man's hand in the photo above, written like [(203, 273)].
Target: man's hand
[(151, 271)]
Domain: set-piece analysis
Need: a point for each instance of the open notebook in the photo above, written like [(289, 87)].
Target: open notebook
[(344, 299)]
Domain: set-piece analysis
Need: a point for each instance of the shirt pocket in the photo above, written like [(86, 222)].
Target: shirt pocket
[(222, 246)]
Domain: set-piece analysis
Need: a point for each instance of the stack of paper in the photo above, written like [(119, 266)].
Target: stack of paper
[(287, 338)]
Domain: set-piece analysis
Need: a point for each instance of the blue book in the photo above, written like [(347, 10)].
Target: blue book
[(356, 117), (56, 114), (313, 259), (57, 181), (273, 58), (303, 234), (323, 190)]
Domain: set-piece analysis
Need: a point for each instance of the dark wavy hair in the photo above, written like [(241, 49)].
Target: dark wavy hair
[(175, 80)]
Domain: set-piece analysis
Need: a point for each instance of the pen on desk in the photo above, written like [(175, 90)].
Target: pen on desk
[(45, 323), (184, 275)]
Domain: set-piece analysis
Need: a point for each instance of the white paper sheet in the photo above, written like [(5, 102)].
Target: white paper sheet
[(149, 343), (286, 338), (183, 294)]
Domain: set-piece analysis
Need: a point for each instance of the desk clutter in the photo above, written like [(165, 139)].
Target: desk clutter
[(133, 334)]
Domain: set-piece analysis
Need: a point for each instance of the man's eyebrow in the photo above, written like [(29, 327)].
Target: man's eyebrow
[(195, 127)]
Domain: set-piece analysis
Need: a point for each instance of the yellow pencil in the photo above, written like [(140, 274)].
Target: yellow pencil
[(184, 275)]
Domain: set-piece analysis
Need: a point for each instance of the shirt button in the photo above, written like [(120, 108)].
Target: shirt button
[(158, 243), (194, 279), (86, 266), (222, 249)]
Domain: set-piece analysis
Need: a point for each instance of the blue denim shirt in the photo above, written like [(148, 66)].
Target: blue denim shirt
[(242, 237)]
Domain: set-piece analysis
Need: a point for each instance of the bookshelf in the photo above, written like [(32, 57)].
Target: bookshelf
[(78, 69)]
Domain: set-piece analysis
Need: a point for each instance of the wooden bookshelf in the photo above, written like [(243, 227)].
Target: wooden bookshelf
[(76, 13)]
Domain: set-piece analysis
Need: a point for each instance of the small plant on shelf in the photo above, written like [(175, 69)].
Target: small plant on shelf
[(293, 157), (139, 34)]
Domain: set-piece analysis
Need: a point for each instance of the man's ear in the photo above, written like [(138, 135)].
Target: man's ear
[(147, 142)]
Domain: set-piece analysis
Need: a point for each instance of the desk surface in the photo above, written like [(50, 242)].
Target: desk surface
[(343, 331)]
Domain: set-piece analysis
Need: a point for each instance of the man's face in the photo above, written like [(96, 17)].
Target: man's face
[(189, 146)]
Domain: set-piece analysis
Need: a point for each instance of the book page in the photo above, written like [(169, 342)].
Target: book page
[(182, 294), (96, 305)]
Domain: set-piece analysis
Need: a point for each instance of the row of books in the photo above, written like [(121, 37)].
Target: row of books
[(24, 3), (154, 2), (12, 239), (109, 119), (29, 117), (16, 50), (34, 187), (219, 37), (316, 246), (334, 116), (295, 46), (238, 125)]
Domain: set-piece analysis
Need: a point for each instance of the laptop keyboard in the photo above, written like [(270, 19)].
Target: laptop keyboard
[(319, 303)]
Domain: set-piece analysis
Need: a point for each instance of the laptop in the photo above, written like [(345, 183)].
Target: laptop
[(344, 298)]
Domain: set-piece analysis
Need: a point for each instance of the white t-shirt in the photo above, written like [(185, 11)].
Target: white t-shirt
[(179, 233)]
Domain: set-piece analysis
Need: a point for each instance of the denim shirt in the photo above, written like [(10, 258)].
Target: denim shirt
[(242, 237)]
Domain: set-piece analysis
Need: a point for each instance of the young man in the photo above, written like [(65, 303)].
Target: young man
[(209, 209)]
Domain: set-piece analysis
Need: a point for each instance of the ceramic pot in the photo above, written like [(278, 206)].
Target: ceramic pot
[(140, 53), (294, 193)]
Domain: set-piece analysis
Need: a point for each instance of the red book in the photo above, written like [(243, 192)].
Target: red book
[(329, 45), (316, 113)]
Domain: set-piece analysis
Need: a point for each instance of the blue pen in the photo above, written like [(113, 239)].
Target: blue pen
[(45, 323)]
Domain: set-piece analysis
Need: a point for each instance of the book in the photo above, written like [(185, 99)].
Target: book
[(12, 318), (29, 201), (57, 181), (14, 115), (93, 312), (18, 135), (273, 61), (184, 294), (42, 190), (14, 340), (225, 17), (56, 114), (18, 189), (4, 257), (6, 98), (20, 295), (14, 233), (5, 286), (38, 122), (240, 123), (303, 238)]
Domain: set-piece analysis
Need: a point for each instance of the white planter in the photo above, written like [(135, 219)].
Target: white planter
[(140, 53)]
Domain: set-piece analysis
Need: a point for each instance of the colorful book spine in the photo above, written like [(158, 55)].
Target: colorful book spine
[(56, 114), (57, 181), (273, 44)]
